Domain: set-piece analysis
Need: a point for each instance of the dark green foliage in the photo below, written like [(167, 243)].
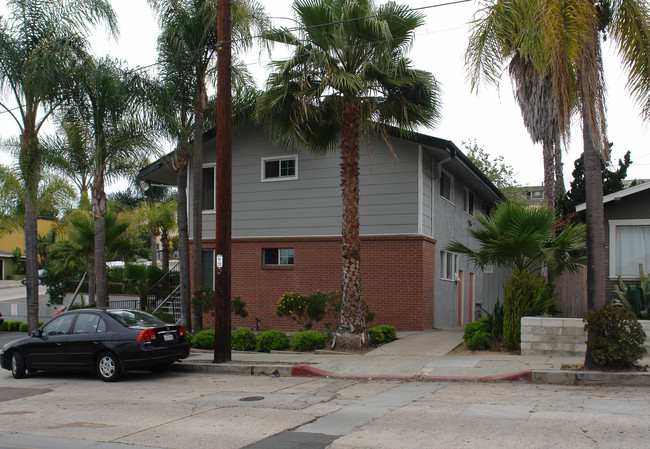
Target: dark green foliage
[(243, 339), (238, 307), (203, 298), (496, 321), (619, 337), (203, 339), (612, 182), (272, 340), (166, 317), (23, 327), (634, 298), (478, 335), (4, 326), (305, 310), (308, 341), (14, 326), (382, 334), (524, 294)]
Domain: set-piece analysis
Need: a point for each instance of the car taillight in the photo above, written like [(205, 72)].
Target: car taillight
[(181, 331), (146, 335)]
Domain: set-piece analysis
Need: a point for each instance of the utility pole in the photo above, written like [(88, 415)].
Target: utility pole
[(223, 251)]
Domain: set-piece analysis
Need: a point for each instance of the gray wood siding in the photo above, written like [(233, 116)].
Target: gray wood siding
[(427, 198), (311, 205)]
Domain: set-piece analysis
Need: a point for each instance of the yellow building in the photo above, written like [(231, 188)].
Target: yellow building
[(16, 239)]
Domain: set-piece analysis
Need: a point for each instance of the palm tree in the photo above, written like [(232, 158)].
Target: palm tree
[(188, 48), (522, 237), (569, 43), (39, 41), (348, 75), (158, 219), (108, 100), (510, 33)]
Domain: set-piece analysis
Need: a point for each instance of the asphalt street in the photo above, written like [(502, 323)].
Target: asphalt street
[(193, 410)]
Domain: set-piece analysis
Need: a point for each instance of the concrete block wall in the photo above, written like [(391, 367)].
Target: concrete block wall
[(560, 336)]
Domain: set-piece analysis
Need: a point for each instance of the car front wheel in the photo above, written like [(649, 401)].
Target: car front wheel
[(17, 365), (108, 367)]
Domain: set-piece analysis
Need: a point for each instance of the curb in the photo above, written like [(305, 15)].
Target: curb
[(591, 378), (234, 368)]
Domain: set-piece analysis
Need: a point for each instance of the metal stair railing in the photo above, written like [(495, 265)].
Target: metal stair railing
[(171, 304), (166, 290)]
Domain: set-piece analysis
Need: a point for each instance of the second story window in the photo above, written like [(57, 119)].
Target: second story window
[(448, 265), (208, 189), (446, 186), (279, 168), (468, 203)]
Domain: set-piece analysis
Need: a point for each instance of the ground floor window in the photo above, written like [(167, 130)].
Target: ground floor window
[(277, 256), (629, 246), (207, 262), (448, 265)]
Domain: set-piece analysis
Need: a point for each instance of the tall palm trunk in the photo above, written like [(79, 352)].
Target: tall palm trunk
[(180, 164), (549, 173), (30, 168), (595, 232), (351, 330), (197, 198), (164, 243), (99, 212), (92, 299)]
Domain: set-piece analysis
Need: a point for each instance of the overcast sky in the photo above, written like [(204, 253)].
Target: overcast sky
[(492, 117)]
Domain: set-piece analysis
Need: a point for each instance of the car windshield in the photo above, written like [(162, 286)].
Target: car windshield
[(134, 318)]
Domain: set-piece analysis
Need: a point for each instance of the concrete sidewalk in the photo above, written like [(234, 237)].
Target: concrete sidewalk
[(416, 355)]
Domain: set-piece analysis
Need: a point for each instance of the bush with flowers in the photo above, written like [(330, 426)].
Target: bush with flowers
[(305, 310)]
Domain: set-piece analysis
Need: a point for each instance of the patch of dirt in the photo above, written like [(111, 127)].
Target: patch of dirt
[(462, 349), (581, 367)]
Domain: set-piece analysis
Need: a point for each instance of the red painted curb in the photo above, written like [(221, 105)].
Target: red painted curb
[(310, 371)]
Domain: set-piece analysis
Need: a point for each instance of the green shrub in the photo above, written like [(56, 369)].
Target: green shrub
[(382, 334), (305, 310), (272, 340), (23, 327), (4, 326), (308, 341), (14, 326), (478, 335), (243, 339), (238, 307), (634, 298), (619, 337), (524, 294), (203, 339)]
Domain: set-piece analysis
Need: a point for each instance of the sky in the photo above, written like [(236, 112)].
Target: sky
[(490, 116)]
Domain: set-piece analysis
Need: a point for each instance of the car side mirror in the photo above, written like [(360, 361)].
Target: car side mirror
[(37, 333)]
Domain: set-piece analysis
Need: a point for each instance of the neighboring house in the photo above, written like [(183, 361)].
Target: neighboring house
[(16, 239), (627, 234), (286, 224), (532, 194)]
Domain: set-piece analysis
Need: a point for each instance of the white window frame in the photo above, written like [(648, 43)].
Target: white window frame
[(489, 269), (612, 243), (280, 256), (214, 195), (444, 257), (264, 160), (466, 197), (451, 186)]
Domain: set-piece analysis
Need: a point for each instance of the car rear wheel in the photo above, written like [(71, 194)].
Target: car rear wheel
[(108, 367), (17, 365)]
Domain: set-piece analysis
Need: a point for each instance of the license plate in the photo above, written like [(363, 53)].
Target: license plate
[(169, 337)]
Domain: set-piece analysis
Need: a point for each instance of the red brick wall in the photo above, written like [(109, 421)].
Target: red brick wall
[(397, 278)]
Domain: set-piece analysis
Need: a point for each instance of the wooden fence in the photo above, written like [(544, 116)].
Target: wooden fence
[(571, 290)]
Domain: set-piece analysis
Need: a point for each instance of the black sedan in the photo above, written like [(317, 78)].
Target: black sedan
[(108, 341)]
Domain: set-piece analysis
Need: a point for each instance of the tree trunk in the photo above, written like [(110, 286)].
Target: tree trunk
[(99, 212), (164, 243), (91, 286), (153, 249), (351, 332), (30, 169), (183, 243), (560, 189), (595, 231), (549, 173), (31, 265), (197, 201)]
